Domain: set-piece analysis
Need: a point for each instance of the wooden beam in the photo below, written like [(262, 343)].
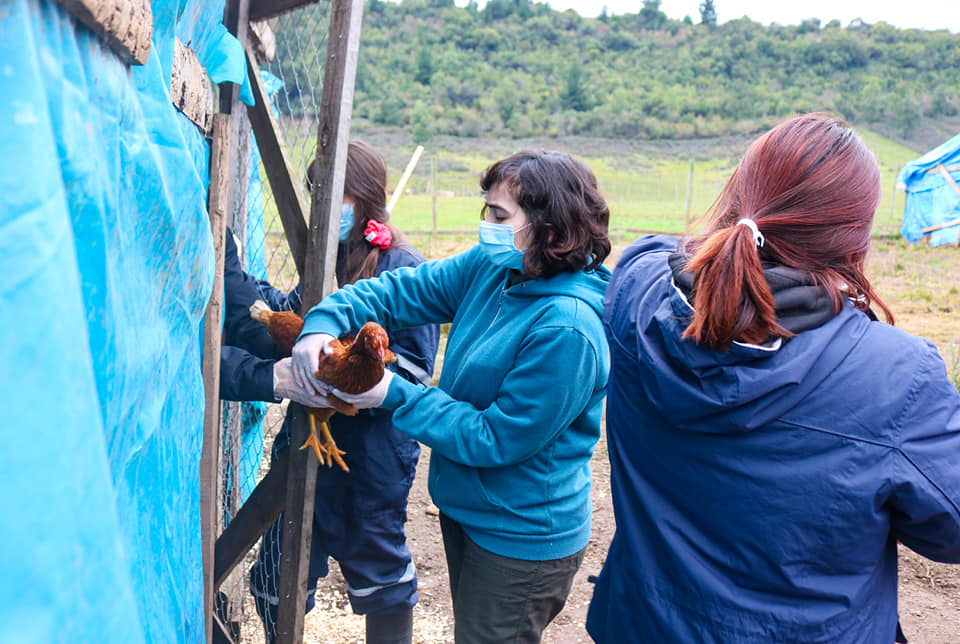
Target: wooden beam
[(949, 179), (949, 224), (220, 183), (258, 513), (263, 9), (125, 26), (299, 489), (191, 90), (333, 135), (284, 182)]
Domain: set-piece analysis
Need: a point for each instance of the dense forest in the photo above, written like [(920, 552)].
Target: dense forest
[(518, 68)]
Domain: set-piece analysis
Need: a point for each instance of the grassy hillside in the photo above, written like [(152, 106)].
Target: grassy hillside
[(520, 69)]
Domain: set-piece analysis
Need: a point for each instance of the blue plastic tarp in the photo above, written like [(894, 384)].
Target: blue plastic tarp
[(106, 254), (931, 198)]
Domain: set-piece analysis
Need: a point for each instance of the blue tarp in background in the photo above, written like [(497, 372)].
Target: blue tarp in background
[(931, 200), (107, 266)]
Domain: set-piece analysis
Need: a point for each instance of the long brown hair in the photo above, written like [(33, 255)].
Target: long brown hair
[(365, 181), (811, 186)]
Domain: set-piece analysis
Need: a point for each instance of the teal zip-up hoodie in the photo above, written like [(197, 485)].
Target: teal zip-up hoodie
[(514, 420)]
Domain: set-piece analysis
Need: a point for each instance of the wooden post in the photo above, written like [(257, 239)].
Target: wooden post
[(220, 183), (333, 133), (433, 184), (893, 198), (686, 212)]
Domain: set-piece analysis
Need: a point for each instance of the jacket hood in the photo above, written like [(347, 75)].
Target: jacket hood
[(583, 285), (701, 389)]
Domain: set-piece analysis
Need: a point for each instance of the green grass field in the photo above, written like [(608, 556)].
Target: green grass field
[(645, 183)]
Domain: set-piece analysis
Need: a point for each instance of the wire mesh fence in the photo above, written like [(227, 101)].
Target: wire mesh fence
[(293, 77)]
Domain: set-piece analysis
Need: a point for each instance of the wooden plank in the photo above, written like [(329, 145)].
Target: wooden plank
[(949, 224), (263, 9), (299, 489), (259, 512), (220, 183), (191, 90), (236, 21), (949, 179), (949, 168), (333, 134), (285, 185), (231, 122), (125, 26)]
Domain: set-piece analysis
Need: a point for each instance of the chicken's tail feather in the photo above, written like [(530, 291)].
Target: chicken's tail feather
[(260, 311)]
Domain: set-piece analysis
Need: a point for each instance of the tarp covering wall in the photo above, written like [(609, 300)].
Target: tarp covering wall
[(931, 198), (107, 265)]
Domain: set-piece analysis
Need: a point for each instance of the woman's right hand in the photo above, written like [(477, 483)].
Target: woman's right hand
[(306, 360)]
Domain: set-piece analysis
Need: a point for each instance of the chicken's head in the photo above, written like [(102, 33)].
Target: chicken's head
[(373, 338)]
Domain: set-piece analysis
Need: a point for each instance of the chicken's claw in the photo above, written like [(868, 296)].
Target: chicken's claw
[(327, 452)]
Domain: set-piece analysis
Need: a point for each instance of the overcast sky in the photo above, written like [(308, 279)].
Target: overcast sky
[(919, 14)]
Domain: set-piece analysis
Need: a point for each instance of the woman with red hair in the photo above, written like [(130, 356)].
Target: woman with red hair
[(770, 441)]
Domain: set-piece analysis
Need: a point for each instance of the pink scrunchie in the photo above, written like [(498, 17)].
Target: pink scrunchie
[(378, 234)]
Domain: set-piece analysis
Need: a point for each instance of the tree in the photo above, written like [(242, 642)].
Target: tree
[(425, 66), (420, 127), (708, 13), (650, 15), (575, 96)]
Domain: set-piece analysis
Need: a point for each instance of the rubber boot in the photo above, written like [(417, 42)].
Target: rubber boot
[(390, 628)]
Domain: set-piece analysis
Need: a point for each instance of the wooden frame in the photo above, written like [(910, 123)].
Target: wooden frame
[(289, 486)]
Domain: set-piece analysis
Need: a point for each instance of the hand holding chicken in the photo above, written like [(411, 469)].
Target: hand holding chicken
[(320, 363)]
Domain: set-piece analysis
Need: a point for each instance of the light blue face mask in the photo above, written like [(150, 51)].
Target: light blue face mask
[(496, 241), (346, 221)]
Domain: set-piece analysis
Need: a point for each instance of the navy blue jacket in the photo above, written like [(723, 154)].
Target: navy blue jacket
[(760, 492), (248, 352)]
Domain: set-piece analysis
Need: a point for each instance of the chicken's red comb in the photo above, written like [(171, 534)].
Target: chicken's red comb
[(378, 234)]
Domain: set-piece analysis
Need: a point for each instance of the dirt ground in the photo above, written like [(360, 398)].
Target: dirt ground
[(929, 592)]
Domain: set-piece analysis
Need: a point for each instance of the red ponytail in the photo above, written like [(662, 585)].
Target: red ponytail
[(811, 186)]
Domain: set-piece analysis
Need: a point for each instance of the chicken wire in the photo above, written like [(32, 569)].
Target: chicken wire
[(293, 76)]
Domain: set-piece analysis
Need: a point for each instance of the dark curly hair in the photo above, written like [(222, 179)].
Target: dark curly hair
[(568, 214)]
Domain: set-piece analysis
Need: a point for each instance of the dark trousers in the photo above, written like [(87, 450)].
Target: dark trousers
[(499, 600)]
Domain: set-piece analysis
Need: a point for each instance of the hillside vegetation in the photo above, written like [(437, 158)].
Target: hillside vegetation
[(521, 69)]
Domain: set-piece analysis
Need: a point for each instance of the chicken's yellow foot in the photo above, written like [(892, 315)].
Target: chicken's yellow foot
[(314, 441), (327, 452), (330, 447)]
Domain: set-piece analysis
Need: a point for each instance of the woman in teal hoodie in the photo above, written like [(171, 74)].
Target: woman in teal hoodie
[(514, 420)]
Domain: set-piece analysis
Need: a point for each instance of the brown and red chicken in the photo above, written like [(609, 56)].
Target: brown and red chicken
[(355, 365)]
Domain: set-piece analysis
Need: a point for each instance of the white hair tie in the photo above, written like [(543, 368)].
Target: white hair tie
[(752, 225)]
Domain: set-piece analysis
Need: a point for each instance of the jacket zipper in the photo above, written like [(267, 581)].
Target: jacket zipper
[(503, 292)]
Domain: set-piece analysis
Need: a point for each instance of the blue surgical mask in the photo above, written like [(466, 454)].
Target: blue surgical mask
[(346, 221), (496, 241)]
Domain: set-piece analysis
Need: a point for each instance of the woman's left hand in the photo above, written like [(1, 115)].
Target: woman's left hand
[(371, 398)]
